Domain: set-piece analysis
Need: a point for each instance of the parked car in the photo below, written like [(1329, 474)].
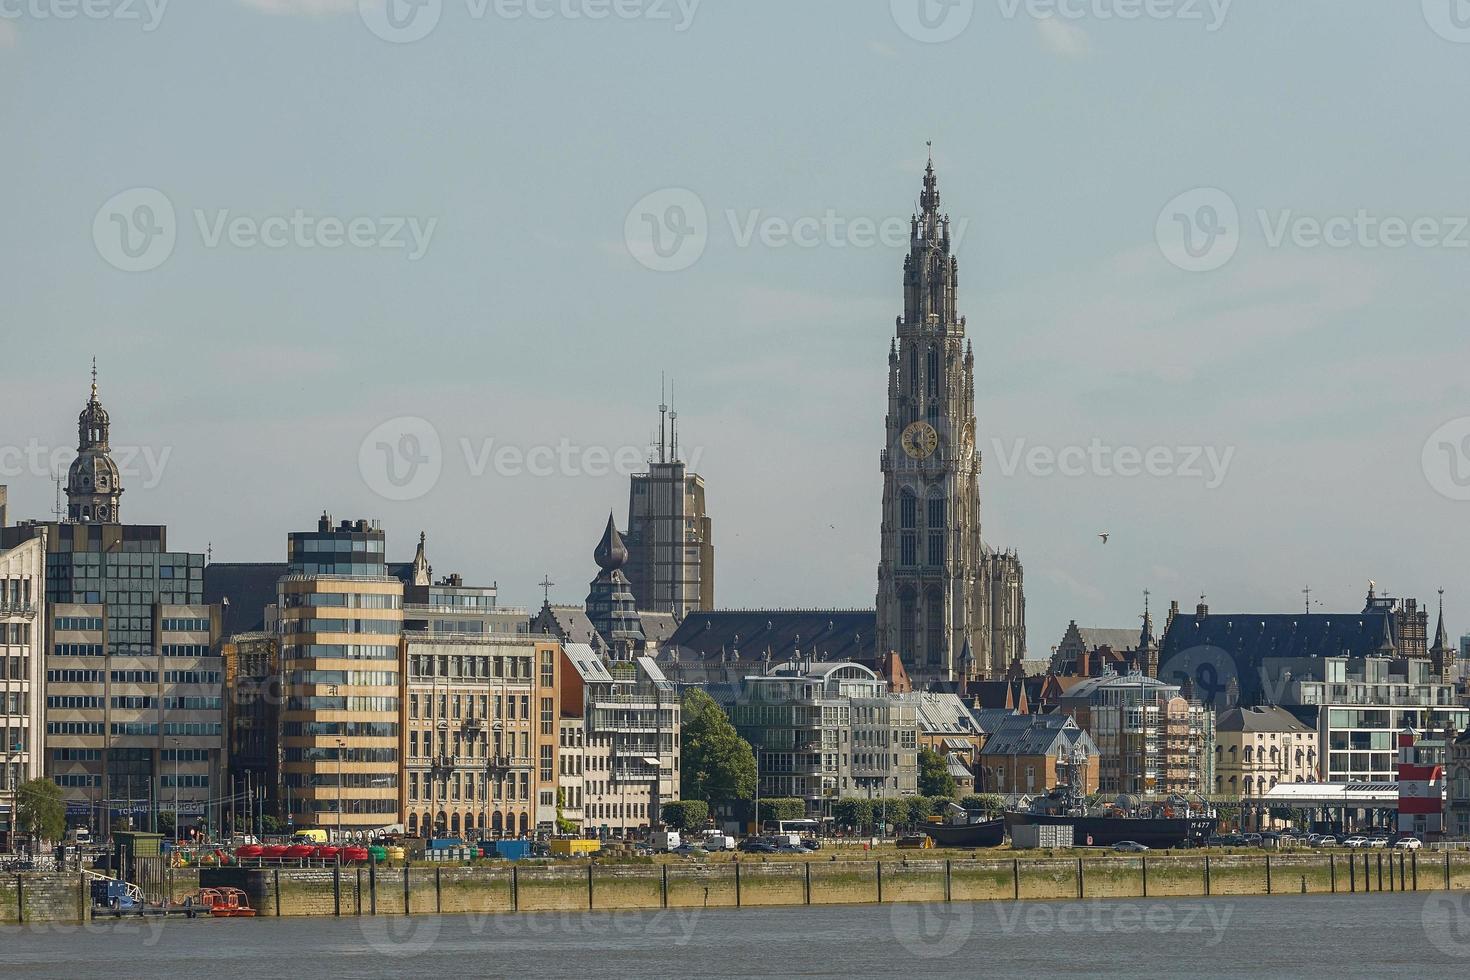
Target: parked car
[(1408, 844), (1130, 846), (792, 849), (1377, 842), (755, 845), (689, 850), (1355, 842)]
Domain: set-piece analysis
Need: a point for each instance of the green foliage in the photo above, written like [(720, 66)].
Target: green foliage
[(894, 810), (854, 812), (934, 777), (919, 807), (167, 824), (39, 811), (686, 814), (992, 803), (270, 824), (564, 825), (782, 808), (715, 763)]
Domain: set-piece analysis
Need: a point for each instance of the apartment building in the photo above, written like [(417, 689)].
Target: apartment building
[(1151, 740), (340, 632), (627, 715), (22, 659), (827, 730)]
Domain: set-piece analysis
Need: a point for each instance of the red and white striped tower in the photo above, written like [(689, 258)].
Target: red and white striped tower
[(1421, 788)]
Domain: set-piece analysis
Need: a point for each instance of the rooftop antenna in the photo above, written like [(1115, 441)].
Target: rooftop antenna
[(673, 428), (663, 410), (56, 507), (1308, 593)]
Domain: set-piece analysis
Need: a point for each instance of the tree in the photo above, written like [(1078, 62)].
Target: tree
[(988, 802), (715, 763), (854, 812), (782, 808), (686, 814), (270, 824), (934, 777), (39, 810), (167, 824)]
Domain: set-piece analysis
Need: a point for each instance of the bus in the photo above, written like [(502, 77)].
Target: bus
[(793, 831)]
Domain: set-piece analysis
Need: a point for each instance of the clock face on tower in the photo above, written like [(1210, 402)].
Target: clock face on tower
[(919, 440)]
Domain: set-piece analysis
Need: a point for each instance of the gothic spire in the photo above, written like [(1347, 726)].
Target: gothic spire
[(421, 571), (929, 201), (1441, 637)]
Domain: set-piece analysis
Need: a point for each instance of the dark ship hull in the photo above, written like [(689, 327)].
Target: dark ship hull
[(987, 833), (1155, 832)]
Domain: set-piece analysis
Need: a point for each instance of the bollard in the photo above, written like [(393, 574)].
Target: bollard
[(1207, 875), (808, 866), (880, 882), (1016, 876), (664, 893), (1144, 859), (1268, 874), (337, 890)]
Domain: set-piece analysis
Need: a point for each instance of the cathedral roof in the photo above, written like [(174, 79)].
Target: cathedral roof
[(824, 634)]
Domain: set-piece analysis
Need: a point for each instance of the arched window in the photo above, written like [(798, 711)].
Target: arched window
[(1246, 756), (933, 389), (934, 622), (908, 509)]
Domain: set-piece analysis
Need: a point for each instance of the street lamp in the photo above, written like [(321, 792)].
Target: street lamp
[(175, 743), (341, 749)]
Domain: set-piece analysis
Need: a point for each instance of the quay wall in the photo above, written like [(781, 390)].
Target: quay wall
[(528, 887)]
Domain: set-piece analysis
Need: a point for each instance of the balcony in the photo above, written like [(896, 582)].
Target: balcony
[(25, 610), (444, 761)]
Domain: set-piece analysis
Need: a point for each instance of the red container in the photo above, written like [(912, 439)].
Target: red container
[(249, 851), (273, 850), (297, 851), (355, 854), (329, 852)]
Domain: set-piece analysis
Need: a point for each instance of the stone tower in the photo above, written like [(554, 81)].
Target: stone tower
[(93, 487), (940, 589)]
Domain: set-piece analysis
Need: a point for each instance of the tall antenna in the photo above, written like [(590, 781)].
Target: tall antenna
[(673, 428), (663, 408), (56, 508), (1308, 593)]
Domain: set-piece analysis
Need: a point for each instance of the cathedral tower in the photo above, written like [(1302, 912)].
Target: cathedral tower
[(940, 589)]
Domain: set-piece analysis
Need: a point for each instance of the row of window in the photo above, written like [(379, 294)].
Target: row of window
[(341, 600), (185, 625), (329, 754), (516, 786), (78, 650), (79, 623), (15, 634), (341, 651), (314, 625)]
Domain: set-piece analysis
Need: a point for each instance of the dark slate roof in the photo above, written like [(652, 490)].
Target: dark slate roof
[(826, 634), (250, 587), (1248, 640), (1258, 720), (657, 627), (1037, 735), (1115, 639), (571, 625)]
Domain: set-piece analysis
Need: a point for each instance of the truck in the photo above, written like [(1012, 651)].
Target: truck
[(716, 841), (666, 840)]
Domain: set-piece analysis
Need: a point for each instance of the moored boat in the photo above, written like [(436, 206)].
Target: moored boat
[(982, 833)]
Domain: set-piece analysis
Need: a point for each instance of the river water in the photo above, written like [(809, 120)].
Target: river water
[(1419, 935)]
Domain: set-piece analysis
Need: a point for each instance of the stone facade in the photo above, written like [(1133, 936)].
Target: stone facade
[(22, 659), (671, 552), (951, 606)]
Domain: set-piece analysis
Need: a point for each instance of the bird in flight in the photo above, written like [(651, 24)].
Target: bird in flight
[(1104, 536)]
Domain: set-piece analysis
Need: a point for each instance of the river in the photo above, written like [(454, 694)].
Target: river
[(1420, 935)]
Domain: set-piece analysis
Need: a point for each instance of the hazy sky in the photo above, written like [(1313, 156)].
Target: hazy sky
[(285, 226)]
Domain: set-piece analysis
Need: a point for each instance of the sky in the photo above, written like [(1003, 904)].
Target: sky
[(428, 262)]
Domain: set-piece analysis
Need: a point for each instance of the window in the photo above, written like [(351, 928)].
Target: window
[(908, 509)]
